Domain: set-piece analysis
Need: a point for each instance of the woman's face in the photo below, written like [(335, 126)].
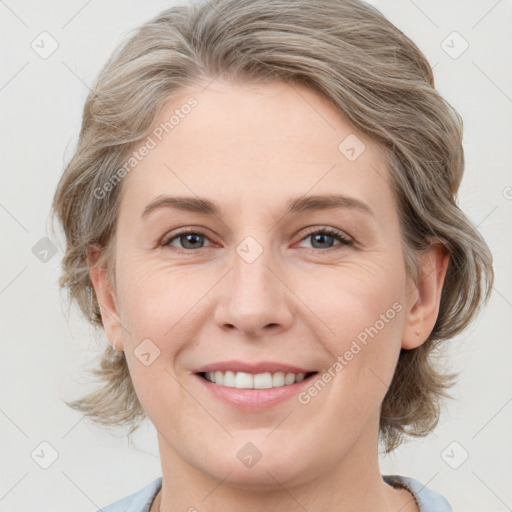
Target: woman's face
[(262, 286)]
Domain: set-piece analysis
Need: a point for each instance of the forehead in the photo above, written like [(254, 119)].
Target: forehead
[(248, 143)]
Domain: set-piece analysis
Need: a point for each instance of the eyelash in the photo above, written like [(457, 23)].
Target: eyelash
[(345, 241)]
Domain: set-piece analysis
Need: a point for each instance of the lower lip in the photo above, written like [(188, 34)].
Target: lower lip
[(254, 399)]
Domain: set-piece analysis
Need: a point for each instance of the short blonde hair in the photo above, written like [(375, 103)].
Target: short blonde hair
[(373, 74)]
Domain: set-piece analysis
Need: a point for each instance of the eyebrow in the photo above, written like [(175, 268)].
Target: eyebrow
[(297, 205)]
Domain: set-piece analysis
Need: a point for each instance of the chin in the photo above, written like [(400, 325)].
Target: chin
[(273, 467), (264, 476)]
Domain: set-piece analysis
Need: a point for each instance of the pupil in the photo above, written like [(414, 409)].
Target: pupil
[(191, 236)]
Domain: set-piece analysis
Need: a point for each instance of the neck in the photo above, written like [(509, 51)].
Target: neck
[(354, 483)]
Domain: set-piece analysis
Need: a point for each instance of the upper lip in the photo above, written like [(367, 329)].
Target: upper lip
[(252, 367)]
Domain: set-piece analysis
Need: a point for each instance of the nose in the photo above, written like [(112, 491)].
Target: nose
[(256, 300)]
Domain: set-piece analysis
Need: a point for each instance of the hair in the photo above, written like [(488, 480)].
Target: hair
[(372, 73)]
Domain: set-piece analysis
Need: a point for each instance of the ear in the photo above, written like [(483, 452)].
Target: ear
[(424, 296), (105, 294)]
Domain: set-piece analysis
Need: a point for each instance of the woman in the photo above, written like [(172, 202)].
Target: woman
[(261, 215)]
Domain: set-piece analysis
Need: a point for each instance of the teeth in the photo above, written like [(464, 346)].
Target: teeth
[(228, 380), (278, 379), (289, 378), (242, 380)]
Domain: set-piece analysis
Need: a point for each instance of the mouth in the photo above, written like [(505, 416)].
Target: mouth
[(253, 386), (245, 380)]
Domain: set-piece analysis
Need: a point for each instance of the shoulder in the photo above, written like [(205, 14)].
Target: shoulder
[(428, 499), (139, 501)]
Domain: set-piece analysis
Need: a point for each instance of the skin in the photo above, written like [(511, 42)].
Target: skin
[(250, 148)]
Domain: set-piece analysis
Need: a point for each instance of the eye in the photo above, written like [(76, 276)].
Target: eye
[(323, 238), (188, 240)]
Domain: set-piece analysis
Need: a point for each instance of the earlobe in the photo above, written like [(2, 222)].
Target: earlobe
[(105, 295), (424, 300)]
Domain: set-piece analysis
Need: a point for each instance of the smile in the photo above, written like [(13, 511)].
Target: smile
[(244, 380), (251, 385)]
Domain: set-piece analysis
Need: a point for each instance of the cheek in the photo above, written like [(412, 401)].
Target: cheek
[(159, 313), (359, 302), (367, 317), (153, 296), (154, 312)]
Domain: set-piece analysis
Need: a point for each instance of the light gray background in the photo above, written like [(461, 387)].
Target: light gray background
[(44, 353)]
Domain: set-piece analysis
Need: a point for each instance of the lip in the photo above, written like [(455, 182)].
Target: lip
[(254, 368), (253, 399)]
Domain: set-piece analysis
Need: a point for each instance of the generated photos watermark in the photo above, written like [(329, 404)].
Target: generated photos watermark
[(343, 360), (150, 143)]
